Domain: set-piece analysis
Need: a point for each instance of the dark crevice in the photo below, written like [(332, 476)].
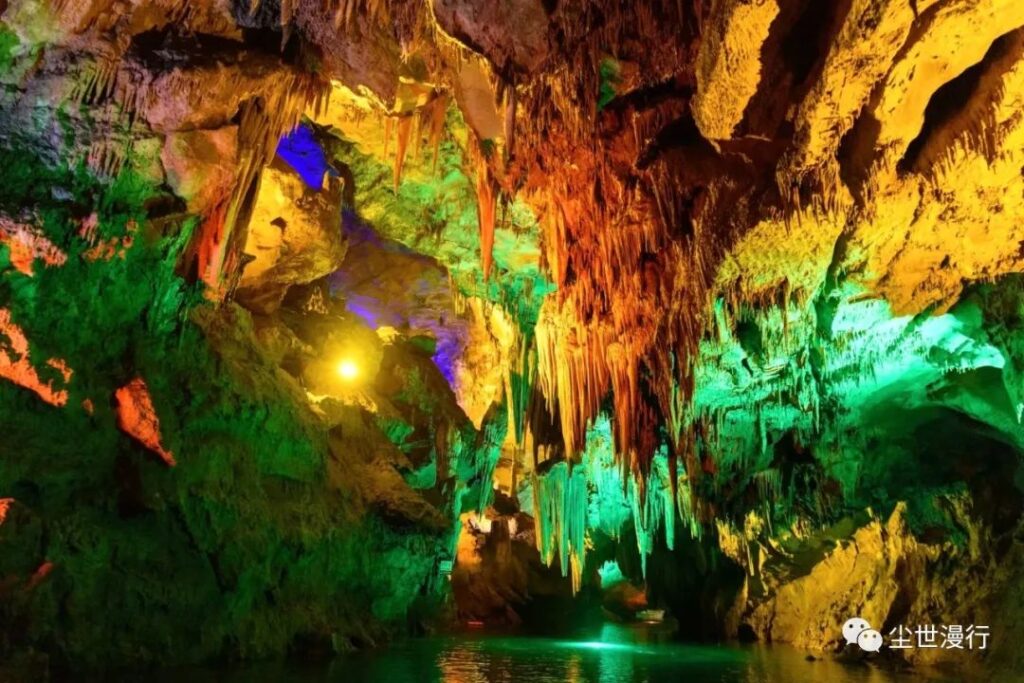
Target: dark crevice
[(953, 98), (164, 48), (808, 40), (261, 15), (798, 42), (164, 204), (546, 427), (679, 134), (642, 99), (856, 150)]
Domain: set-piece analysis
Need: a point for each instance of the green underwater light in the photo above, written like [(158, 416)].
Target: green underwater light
[(597, 645)]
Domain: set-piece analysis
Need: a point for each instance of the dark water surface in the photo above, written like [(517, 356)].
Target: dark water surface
[(613, 654)]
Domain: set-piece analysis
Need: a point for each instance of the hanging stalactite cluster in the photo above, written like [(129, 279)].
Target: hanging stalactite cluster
[(669, 232)]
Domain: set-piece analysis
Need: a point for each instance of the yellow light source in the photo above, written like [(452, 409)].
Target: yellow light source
[(348, 370)]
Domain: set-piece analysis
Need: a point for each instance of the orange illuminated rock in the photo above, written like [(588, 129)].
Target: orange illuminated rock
[(105, 249), (27, 244), (5, 505), (200, 165), (729, 64), (137, 418), (16, 366)]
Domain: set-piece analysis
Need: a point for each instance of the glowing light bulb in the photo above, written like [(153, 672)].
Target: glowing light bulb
[(348, 369)]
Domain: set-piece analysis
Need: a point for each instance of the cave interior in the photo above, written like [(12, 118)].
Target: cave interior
[(329, 323)]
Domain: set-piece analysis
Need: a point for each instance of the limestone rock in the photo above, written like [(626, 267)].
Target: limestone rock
[(955, 36), (778, 246), (512, 35), (48, 379), (860, 55), (729, 63), (201, 165), (364, 457), (172, 96), (137, 417), (294, 236), (476, 99), (498, 571), (368, 60), (21, 538), (882, 573)]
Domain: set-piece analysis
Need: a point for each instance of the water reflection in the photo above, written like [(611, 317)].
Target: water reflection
[(614, 654)]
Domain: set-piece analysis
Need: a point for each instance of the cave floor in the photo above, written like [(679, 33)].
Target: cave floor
[(609, 653)]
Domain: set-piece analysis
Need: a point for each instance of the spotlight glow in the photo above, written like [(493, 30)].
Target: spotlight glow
[(348, 369)]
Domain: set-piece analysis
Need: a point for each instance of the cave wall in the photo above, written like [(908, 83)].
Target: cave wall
[(182, 479)]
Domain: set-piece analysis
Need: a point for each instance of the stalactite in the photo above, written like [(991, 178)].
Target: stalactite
[(560, 516), (97, 80), (404, 127), (206, 250), (262, 122), (769, 484), (436, 111), (521, 383), (487, 199), (687, 506), (264, 116), (488, 451), (595, 495), (137, 417), (287, 12), (510, 119), (654, 511)]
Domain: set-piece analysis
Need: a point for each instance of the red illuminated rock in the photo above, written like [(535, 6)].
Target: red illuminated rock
[(105, 249)]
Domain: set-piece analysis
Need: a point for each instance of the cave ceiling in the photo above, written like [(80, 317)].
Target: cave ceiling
[(688, 207)]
